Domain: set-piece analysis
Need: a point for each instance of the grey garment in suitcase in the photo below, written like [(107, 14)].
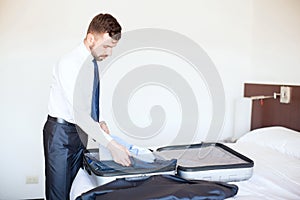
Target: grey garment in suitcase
[(107, 170), (163, 187), (208, 161)]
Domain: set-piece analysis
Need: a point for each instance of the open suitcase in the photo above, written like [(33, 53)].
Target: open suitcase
[(209, 161), (204, 161)]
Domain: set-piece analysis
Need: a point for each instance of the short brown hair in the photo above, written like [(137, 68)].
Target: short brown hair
[(105, 23)]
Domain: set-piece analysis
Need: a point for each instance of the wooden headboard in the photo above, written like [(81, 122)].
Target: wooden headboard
[(271, 112)]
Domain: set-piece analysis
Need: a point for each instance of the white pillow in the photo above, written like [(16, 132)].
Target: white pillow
[(284, 140)]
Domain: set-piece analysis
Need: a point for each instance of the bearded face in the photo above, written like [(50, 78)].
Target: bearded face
[(101, 46)]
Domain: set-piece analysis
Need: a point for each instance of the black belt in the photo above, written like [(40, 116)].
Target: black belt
[(60, 121)]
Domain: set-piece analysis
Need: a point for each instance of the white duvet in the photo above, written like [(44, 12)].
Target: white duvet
[(276, 175)]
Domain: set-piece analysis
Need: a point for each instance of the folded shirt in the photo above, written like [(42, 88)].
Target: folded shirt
[(140, 153)]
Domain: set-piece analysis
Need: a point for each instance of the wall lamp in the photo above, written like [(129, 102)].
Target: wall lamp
[(285, 95)]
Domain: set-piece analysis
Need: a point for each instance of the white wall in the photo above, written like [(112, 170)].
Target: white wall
[(276, 41), (250, 40)]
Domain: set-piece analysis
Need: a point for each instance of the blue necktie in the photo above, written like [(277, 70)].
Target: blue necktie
[(95, 95)]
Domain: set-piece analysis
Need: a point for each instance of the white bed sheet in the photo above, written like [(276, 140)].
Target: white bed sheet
[(276, 173)]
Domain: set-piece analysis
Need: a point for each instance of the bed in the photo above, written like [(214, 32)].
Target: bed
[(276, 155), (272, 143)]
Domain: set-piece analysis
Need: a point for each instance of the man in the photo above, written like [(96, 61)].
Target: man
[(62, 145)]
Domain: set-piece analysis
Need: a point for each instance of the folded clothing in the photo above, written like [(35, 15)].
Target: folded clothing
[(111, 168), (140, 153)]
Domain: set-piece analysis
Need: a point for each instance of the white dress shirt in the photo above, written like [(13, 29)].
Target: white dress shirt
[(67, 74)]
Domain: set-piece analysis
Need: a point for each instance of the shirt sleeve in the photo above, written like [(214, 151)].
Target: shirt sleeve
[(92, 128)]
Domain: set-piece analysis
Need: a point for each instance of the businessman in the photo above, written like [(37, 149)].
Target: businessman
[(63, 149)]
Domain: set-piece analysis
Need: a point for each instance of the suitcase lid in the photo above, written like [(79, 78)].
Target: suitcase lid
[(204, 156)]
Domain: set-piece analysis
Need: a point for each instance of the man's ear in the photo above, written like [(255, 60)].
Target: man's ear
[(90, 38)]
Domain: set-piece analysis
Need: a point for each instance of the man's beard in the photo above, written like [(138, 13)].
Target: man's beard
[(95, 55)]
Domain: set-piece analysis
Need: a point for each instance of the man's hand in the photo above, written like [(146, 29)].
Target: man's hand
[(119, 153)]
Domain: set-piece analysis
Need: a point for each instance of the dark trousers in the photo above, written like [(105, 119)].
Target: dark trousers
[(63, 152)]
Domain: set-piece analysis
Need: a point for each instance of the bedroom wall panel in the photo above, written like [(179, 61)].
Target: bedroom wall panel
[(270, 112)]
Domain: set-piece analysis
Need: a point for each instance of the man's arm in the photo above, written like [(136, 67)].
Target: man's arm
[(116, 149)]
